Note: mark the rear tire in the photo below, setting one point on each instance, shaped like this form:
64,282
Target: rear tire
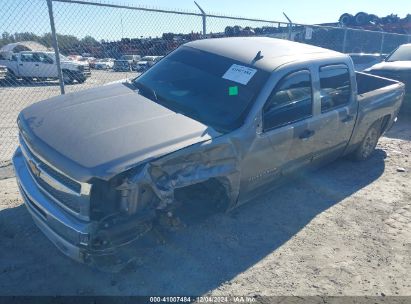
346,19
361,18
368,144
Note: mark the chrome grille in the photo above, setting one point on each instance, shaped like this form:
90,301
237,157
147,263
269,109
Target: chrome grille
68,200
71,195
73,185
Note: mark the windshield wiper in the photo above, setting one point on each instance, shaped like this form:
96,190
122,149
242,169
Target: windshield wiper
144,88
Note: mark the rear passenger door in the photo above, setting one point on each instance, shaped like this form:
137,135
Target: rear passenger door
338,110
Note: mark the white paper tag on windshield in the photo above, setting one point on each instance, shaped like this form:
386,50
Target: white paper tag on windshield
239,73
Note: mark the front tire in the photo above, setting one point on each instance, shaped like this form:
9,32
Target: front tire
11,77
67,77
369,142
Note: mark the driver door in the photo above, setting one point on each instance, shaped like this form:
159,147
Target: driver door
46,66
285,142
28,65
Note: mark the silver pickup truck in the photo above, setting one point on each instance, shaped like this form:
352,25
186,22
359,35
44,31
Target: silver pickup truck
227,118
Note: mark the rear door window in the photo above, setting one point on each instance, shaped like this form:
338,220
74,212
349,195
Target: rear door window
335,87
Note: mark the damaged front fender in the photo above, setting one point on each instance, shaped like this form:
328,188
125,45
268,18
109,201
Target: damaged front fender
199,163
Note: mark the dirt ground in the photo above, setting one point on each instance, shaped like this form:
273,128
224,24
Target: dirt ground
343,230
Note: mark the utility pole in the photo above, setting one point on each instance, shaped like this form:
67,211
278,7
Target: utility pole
290,26
55,45
204,18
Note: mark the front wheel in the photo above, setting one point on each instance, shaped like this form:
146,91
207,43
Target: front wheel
67,77
369,142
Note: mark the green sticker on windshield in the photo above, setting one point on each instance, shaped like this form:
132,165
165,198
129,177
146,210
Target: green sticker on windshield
233,91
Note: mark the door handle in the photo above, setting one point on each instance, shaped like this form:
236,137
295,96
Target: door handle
36,64
306,134
348,118
20,64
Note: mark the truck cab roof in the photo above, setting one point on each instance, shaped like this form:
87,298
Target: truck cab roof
274,52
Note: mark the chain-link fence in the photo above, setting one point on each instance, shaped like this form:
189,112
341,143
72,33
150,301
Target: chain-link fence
100,43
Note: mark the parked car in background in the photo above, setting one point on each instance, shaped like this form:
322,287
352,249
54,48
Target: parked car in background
104,64
92,62
396,66
74,57
121,66
363,61
146,62
132,59
98,169
42,65
3,72
87,59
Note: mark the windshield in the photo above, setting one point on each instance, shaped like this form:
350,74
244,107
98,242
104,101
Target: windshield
62,57
403,53
191,82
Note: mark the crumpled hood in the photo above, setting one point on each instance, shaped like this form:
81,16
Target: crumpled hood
391,66
103,131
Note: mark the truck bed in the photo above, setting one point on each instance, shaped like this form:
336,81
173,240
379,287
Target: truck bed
379,99
367,82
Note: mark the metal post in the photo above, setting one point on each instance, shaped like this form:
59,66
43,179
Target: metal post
204,19
55,45
290,26
382,43
344,41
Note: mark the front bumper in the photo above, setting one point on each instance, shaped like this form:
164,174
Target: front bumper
82,74
3,74
65,231
71,235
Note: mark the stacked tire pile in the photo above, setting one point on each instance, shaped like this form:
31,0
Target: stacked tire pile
390,23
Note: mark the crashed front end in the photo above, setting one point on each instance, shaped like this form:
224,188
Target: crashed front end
98,222
59,205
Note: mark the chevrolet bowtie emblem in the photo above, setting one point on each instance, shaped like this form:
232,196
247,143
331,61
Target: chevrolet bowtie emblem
33,168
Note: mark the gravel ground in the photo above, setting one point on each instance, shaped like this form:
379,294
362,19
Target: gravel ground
15,98
343,230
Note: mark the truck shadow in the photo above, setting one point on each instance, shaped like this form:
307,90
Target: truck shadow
402,128
194,260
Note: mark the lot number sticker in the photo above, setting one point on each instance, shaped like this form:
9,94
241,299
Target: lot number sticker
239,73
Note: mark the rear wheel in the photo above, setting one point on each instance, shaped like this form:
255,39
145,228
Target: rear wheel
346,19
369,142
